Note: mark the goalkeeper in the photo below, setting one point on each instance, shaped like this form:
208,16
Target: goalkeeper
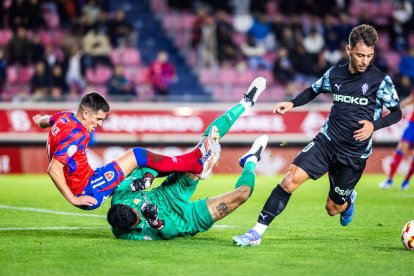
165,212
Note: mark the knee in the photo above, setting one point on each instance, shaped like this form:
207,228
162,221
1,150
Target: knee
331,211
243,193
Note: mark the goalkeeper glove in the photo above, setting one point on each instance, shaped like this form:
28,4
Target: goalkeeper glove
150,213
143,183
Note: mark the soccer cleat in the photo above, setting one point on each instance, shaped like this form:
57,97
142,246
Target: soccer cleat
251,238
347,216
255,89
405,184
210,149
386,184
256,150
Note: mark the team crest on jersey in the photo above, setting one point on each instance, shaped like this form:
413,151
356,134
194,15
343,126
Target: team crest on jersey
365,88
64,120
137,201
109,175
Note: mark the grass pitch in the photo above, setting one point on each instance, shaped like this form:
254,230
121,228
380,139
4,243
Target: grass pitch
41,234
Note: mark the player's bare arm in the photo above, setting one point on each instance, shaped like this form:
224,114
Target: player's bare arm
365,131
407,101
41,120
283,107
55,171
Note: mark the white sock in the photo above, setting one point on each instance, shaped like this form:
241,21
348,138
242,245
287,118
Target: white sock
252,158
260,228
246,105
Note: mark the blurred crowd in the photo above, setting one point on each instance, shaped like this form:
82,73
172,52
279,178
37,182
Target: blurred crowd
47,48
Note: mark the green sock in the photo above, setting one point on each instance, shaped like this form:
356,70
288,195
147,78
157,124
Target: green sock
248,176
226,121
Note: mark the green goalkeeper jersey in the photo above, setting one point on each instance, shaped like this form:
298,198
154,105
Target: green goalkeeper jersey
181,217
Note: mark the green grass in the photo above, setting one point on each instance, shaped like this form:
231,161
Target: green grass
302,240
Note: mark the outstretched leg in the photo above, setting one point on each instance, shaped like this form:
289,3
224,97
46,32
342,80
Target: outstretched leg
222,205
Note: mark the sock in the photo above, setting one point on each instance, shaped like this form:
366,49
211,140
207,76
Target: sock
226,121
274,205
349,201
247,178
411,171
396,159
182,163
245,104
260,228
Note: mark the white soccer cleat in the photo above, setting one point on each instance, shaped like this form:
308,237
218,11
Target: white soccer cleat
210,149
251,238
255,89
257,149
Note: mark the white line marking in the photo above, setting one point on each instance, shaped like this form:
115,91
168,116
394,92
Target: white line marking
52,228
49,211
223,226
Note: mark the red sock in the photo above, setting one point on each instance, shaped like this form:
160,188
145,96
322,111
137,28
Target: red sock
396,159
411,171
182,163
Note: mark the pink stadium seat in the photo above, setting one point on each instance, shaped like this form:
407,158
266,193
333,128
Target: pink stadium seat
115,56
393,59
227,76
130,56
140,76
208,76
25,74
5,36
245,77
12,75
100,75
267,75
52,19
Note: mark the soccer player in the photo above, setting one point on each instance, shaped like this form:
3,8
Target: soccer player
166,211
87,188
405,144
68,165
359,92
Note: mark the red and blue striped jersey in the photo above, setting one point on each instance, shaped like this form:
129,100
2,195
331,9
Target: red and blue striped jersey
67,142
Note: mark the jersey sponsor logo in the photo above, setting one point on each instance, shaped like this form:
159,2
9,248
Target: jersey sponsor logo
137,201
338,86
341,192
349,99
109,175
72,150
365,88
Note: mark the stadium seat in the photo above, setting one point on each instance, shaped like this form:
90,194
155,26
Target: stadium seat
208,76
227,77
130,56
25,74
12,75
5,36
100,75
393,59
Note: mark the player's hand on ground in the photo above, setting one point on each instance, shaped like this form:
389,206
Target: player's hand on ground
84,201
365,131
283,107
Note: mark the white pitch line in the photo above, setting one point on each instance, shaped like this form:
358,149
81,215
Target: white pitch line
49,211
51,228
75,214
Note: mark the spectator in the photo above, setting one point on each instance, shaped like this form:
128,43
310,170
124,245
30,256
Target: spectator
3,70
207,45
40,83
34,15
406,65
344,27
403,86
38,49
74,69
96,47
227,51
18,14
120,31
261,32
313,43
119,87
19,48
161,75
58,86
255,54
284,72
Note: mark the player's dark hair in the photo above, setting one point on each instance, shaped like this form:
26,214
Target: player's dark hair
363,33
121,216
95,102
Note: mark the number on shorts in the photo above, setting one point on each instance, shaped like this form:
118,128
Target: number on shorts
308,146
